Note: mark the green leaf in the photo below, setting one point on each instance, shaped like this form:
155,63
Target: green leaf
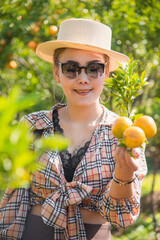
56,142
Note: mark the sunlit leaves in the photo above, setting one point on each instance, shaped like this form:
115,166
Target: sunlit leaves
125,85
17,160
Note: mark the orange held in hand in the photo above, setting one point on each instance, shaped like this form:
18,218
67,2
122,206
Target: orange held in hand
134,137
120,125
147,124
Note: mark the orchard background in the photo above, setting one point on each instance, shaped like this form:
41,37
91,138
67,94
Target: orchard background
135,28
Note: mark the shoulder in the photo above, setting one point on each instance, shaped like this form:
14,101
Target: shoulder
109,117
40,120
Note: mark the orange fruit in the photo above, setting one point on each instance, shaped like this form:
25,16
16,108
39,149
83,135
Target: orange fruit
120,125
32,44
36,28
53,30
148,125
2,42
134,137
13,64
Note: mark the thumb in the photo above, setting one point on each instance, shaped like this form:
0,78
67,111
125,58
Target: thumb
136,152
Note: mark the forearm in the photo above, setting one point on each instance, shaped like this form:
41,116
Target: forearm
122,191
121,203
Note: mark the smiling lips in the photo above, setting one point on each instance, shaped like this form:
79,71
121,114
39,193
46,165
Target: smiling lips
82,90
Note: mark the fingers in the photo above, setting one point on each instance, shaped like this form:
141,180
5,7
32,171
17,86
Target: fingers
132,162
120,155
121,151
136,152
123,157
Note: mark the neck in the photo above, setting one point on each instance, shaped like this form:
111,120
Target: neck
84,114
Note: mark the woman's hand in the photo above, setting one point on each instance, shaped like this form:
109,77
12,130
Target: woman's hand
126,164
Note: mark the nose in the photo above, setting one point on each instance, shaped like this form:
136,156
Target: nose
82,77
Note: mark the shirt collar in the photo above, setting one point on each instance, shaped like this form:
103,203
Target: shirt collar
43,119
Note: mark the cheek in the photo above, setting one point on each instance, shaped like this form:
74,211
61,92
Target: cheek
66,85
100,83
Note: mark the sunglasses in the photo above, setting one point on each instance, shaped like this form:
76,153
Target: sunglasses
71,70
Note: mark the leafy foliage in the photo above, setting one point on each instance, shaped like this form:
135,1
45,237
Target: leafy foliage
16,158
125,86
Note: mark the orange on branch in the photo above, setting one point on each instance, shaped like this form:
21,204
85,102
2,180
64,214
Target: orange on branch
120,125
32,44
53,30
2,42
13,64
148,125
36,29
134,137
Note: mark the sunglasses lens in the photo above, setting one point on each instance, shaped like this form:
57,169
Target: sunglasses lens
70,70
94,70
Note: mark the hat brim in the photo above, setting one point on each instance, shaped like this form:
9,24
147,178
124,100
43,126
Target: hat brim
46,52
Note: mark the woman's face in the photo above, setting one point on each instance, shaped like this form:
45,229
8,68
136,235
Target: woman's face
82,89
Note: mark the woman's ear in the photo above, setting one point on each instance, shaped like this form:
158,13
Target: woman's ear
56,73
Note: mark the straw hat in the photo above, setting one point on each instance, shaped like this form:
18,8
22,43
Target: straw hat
82,34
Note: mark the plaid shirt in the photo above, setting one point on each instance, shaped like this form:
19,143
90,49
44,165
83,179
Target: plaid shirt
61,200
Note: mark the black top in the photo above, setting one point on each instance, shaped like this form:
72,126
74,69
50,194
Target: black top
69,162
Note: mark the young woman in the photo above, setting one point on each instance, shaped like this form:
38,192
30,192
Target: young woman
93,183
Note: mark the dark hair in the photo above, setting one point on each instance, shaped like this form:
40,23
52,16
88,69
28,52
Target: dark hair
107,60
57,53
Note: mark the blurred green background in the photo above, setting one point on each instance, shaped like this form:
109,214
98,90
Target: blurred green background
135,32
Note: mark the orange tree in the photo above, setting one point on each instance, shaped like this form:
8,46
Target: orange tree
24,24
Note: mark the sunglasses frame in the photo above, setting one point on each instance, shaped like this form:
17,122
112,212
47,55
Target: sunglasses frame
80,68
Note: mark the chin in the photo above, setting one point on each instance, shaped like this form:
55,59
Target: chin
85,103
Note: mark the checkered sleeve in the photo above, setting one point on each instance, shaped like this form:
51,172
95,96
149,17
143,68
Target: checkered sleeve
14,207
124,212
